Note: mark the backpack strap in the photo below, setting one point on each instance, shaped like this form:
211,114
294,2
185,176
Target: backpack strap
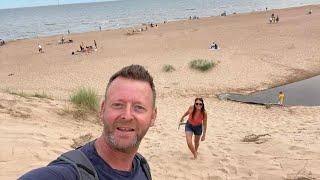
81,163
145,166
85,169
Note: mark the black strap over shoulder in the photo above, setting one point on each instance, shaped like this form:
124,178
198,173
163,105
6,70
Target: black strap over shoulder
145,166
81,163
86,170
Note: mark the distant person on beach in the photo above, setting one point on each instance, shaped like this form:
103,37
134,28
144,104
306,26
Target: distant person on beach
196,125
62,40
40,49
310,11
95,44
273,17
81,48
214,45
127,113
277,19
68,31
281,98
2,42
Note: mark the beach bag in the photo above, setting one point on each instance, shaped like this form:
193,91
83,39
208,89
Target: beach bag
86,170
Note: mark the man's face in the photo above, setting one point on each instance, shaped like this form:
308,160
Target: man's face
127,113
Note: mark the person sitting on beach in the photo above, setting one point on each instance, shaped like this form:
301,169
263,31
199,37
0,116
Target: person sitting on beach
127,113
196,124
81,48
2,42
62,40
270,20
40,49
273,18
214,45
277,19
281,98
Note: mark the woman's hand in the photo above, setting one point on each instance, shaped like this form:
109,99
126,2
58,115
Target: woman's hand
203,137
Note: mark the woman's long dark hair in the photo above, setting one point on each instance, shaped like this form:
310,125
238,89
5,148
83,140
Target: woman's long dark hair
194,106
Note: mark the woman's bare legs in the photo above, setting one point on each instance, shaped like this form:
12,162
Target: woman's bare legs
196,142
190,145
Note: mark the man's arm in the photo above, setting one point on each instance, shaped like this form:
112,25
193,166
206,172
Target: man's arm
61,171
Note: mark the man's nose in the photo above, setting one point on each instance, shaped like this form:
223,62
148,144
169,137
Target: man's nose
127,113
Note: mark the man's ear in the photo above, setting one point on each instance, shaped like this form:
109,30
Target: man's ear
102,109
154,116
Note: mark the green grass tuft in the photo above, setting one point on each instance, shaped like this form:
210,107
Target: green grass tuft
168,68
41,95
202,64
86,98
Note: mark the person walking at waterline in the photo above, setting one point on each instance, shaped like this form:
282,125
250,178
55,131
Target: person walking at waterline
281,98
196,124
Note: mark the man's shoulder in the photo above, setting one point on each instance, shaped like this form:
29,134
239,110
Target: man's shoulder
56,171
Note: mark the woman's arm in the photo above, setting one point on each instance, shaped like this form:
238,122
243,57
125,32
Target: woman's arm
186,113
204,126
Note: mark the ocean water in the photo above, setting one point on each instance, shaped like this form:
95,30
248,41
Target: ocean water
21,23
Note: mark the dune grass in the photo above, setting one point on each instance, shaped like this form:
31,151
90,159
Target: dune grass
41,95
86,98
168,68
26,95
202,64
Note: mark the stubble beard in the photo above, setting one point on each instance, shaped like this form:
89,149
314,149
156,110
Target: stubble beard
116,145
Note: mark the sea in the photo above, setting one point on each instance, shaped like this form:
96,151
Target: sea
33,22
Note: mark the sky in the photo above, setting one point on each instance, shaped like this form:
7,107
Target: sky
7,4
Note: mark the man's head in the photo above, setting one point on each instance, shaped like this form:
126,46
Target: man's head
129,108
135,72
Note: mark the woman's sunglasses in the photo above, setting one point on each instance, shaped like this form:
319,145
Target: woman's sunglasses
198,104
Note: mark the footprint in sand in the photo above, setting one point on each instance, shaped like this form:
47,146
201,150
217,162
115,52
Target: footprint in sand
295,148
232,169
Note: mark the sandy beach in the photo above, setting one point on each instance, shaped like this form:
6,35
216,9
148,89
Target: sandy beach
253,55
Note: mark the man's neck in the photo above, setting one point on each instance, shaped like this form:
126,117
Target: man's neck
116,159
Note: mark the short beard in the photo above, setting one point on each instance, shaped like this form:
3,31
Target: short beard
111,141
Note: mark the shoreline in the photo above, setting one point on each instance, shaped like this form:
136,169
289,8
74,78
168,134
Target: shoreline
188,28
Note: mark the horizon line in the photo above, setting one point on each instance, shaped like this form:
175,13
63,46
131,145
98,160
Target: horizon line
58,4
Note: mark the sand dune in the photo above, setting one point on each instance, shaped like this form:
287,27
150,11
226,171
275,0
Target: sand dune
253,55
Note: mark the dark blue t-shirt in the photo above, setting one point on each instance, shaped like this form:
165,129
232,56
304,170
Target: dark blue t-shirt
65,171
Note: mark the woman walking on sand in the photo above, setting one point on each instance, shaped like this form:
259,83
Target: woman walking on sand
197,122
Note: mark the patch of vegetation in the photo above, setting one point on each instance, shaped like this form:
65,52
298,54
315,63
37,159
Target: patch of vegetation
168,68
86,98
41,95
21,94
26,95
81,140
201,64
255,138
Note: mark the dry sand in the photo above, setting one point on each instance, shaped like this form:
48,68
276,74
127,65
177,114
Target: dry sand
254,55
